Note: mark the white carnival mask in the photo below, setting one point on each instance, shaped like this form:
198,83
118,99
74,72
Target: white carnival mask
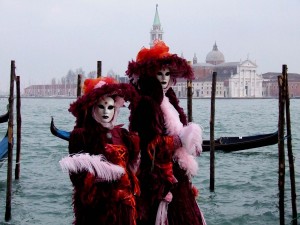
104,110
164,77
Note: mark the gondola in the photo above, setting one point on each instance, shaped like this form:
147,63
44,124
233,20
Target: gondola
225,144
3,148
4,142
231,144
4,117
65,135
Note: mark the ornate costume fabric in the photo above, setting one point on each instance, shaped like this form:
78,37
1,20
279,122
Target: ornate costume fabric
158,114
162,173
103,158
100,202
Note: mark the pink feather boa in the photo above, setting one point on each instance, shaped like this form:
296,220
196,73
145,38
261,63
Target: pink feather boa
190,136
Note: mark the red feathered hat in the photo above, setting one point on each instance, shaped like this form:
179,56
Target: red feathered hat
101,87
150,61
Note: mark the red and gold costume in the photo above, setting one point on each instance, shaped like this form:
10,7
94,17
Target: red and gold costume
106,197
168,143
101,202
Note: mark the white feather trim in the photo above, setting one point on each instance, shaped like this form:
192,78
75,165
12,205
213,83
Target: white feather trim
171,116
95,164
186,161
162,214
100,84
191,138
162,211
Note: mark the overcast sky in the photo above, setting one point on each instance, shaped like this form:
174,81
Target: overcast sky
48,38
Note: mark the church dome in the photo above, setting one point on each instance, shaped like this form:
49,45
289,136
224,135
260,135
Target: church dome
215,56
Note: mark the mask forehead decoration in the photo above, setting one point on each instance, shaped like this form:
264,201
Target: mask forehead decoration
103,95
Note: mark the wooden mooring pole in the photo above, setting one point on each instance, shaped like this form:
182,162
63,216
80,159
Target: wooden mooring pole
10,143
189,93
99,68
212,133
189,100
79,85
281,156
19,122
289,146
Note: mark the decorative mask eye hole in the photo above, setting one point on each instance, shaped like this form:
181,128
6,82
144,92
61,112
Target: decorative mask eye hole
110,107
101,106
167,74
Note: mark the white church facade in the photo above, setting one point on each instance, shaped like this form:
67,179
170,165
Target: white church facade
246,83
234,79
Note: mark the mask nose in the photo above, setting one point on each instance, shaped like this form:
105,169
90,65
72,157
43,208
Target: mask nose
105,111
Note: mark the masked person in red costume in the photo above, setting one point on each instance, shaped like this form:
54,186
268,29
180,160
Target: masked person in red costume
103,156
168,143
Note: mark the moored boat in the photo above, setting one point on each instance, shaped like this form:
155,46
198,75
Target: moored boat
226,144
231,144
4,117
3,148
4,142
65,135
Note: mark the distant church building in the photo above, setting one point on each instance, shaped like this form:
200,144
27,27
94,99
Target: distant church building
246,82
214,57
239,79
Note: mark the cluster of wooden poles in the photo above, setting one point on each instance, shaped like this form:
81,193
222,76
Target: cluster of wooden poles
13,79
284,104
284,108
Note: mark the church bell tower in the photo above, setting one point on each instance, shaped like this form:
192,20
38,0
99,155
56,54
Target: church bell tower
156,32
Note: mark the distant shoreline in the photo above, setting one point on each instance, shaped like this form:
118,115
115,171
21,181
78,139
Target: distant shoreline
73,97
45,97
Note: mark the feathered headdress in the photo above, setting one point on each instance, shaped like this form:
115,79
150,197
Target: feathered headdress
150,61
94,89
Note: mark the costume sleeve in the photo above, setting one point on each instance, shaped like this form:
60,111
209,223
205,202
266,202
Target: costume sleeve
76,142
84,182
76,145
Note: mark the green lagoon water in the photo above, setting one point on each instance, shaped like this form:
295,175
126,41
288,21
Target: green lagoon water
246,185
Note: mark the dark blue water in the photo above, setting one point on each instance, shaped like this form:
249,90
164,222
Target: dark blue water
246,184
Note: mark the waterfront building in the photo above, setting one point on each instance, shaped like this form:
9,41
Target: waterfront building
270,84
200,88
59,90
246,82
234,79
51,90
